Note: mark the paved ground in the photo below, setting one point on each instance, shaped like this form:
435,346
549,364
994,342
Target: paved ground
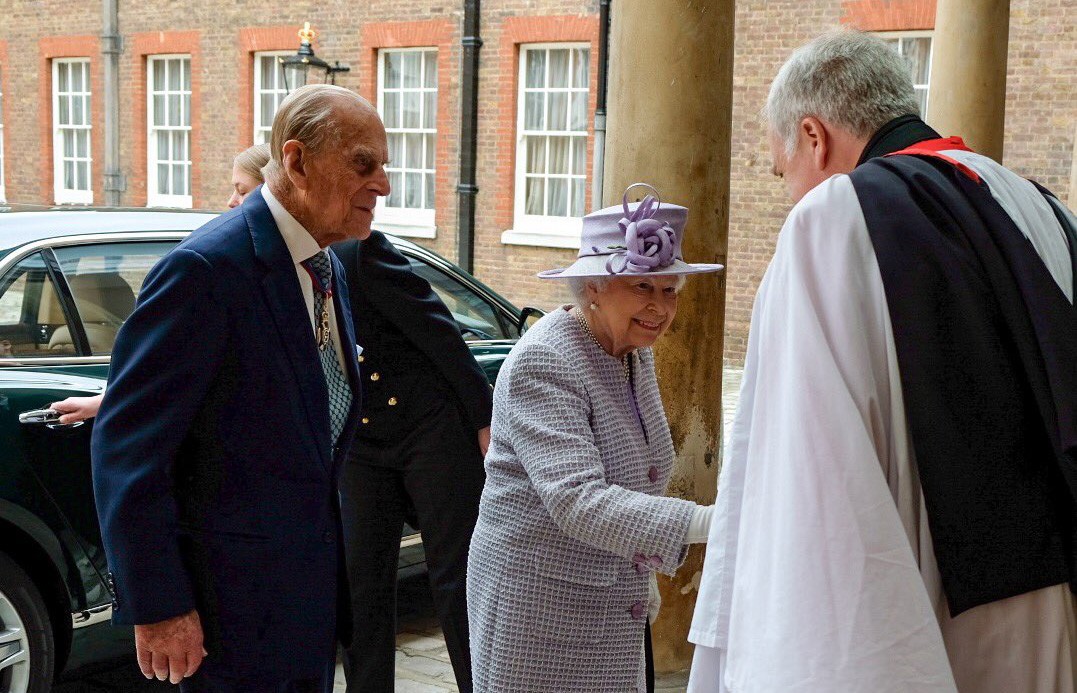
422,662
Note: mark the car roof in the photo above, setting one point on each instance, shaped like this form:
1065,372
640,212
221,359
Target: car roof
20,227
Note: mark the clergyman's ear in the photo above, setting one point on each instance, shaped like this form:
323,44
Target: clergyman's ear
817,140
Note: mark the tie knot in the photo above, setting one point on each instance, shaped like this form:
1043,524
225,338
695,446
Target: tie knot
321,267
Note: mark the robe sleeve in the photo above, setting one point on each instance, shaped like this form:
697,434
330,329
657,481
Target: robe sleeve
810,583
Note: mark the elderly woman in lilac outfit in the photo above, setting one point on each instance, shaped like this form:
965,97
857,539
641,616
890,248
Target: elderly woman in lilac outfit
573,522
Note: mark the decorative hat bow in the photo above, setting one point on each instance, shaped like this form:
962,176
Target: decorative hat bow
650,243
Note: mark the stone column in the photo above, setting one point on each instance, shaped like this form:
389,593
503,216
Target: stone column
968,72
670,103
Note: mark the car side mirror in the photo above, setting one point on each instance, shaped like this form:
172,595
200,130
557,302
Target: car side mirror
528,317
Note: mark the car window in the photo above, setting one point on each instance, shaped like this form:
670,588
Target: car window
32,322
105,280
474,314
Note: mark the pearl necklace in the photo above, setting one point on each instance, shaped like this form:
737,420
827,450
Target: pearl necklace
625,363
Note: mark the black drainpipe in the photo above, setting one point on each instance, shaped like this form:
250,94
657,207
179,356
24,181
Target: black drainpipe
599,162
467,189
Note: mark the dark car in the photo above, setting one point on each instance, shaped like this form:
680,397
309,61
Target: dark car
68,280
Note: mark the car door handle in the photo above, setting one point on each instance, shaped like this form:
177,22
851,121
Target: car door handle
49,417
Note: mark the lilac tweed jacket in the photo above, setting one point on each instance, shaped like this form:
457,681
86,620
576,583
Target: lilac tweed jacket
572,519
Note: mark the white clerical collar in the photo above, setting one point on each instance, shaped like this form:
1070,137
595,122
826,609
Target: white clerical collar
301,245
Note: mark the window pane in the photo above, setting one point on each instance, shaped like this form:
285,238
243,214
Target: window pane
430,73
82,144
179,179
158,75
164,149
159,111
69,175
414,150
61,77
174,115
83,169
557,111
179,146
411,109
75,80
69,143
921,98
579,156
63,107
429,190
413,190
174,76
392,69
917,53
411,65
430,152
396,149
533,107
558,68
78,108
536,154
391,109
266,103
186,120
559,147
396,182
31,314
579,111
558,197
536,68
186,65
162,178
578,197
430,109
535,191
581,61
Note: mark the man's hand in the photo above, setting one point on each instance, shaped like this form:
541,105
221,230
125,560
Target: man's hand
172,649
75,409
484,440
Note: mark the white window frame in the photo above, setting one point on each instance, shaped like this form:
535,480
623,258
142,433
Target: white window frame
926,33
61,194
258,129
3,190
417,223
532,229
153,197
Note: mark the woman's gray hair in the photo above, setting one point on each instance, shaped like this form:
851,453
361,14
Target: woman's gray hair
578,286
846,77
252,160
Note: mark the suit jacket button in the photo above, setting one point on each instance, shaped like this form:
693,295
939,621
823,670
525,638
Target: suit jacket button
365,420
392,401
652,474
375,377
361,358
639,610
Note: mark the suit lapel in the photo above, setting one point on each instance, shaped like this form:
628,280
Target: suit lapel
282,294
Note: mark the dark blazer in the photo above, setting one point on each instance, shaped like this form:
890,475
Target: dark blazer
380,278
215,478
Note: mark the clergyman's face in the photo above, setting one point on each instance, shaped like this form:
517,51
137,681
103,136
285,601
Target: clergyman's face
798,171
346,180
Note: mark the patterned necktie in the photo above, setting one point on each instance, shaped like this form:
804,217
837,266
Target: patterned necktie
340,392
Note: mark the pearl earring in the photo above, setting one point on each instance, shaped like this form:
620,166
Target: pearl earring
594,306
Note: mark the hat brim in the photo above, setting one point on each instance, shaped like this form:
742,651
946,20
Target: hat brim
595,266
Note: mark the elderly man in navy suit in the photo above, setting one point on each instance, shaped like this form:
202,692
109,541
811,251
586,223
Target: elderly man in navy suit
233,393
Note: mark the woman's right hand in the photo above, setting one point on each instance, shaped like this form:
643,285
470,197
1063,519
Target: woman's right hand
75,409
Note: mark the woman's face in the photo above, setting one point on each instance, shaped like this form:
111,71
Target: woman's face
633,312
242,184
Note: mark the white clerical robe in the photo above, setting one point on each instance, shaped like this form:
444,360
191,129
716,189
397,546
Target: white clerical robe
820,574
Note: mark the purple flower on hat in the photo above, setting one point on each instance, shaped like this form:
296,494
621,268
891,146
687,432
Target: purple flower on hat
650,244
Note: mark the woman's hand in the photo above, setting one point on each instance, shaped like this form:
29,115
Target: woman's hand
75,409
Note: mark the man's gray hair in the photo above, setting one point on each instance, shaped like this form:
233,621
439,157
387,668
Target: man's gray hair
307,115
846,78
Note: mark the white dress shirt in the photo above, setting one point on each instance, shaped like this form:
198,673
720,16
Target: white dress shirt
302,246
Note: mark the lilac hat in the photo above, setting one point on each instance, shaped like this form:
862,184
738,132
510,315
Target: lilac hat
630,239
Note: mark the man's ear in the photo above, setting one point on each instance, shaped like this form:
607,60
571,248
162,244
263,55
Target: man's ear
294,160
817,139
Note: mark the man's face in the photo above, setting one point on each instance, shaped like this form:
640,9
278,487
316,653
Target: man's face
799,170
346,180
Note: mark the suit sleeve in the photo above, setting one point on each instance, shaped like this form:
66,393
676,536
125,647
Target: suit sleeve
383,269
164,359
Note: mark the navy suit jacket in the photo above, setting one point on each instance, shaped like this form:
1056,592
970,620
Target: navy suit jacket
214,473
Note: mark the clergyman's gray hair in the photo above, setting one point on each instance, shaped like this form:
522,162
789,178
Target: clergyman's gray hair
847,78
578,286
307,115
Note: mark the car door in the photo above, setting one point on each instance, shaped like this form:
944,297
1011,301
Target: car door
99,283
